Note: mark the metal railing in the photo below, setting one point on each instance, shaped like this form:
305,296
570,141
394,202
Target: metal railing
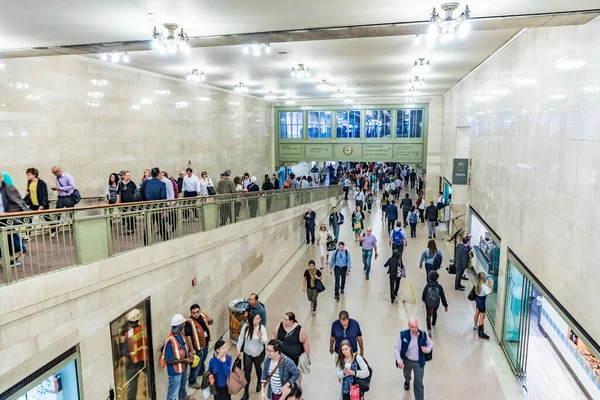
38,242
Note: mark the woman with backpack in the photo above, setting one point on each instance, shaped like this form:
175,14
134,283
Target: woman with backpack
396,271
412,219
432,293
481,289
432,257
349,367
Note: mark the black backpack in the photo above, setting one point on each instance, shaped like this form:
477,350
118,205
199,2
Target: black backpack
437,262
432,297
364,384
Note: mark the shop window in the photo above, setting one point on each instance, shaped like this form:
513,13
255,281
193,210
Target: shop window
409,123
377,123
348,124
132,354
290,125
319,124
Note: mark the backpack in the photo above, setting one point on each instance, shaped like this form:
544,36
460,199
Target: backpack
335,255
397,236
364,383
437,262
413,218
432,297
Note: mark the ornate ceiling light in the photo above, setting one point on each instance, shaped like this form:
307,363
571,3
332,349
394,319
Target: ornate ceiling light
257,48
196,75
448,25
348,100
416,82
270,96
240,88
172,42
300,71
421,66
411,99
324,85
290,101
338,94
115,57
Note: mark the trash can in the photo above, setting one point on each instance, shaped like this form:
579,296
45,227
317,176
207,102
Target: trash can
237,309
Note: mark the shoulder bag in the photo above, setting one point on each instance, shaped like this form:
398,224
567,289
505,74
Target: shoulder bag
236,380
426,356
75,196
319,285
281,359
472,295
364,383
304,364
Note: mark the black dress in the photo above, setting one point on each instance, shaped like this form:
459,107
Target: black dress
292,347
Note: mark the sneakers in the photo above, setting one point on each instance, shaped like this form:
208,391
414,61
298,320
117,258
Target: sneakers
406,385
195,385
429,332
482,334
337,297
342,291
367,277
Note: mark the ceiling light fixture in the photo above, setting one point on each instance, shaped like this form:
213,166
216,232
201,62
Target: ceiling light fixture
421,66
146,102
324,85
338,94
301,71
20,85
31,96
115,57
416,82
181,104
201,98
99,82
270,96
240,88
411,99
162,92
348,100
448,25
172,42
136,106
257,48
96,95
196,75
290,101
92,103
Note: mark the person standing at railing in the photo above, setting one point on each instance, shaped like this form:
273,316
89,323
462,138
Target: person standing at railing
65,186
36,196
225,186
172,193
190,188
276,184
155,189
253,201
128,189
112,194
10,201
309,224
205,184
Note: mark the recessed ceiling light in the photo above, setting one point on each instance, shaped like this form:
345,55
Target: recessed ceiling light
282,53
150,13
10,134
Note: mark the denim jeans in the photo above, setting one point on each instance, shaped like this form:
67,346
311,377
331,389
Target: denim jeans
366,258
177,385
194,372
428,269
336,232
203,357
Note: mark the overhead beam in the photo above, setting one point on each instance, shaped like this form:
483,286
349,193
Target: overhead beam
331,33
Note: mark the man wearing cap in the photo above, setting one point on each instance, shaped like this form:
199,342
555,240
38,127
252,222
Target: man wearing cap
176,358
197,337
225,186
134,351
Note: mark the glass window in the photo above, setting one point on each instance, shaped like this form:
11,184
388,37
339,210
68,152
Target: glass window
290,125
348,124
377,123
319,124
409,123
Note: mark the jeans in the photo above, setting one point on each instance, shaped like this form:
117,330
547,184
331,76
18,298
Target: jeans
431,227
399,247
63,202
336,232
340,275
367,255
428,269
310,234
312,295
203,357
394,286
369,206
413,230
431,317
158,219
391,225
404,216
177,385
225,213
199,369
250,361
359,203
421,216
346,190
409,367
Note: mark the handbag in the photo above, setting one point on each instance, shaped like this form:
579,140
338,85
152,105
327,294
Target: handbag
330,245
319,286
211,190
356,225
354,392
364,384
75,196
472,295
304,364
236,379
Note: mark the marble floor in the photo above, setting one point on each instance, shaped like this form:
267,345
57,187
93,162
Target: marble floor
463,367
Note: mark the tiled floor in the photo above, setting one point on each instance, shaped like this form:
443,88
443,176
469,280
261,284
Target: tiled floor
463,367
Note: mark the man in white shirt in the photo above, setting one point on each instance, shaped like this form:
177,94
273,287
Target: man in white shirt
191,184
359,197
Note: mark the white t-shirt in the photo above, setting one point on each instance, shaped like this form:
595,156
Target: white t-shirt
484,290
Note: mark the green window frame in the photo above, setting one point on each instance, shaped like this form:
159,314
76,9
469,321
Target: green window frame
348,124
319,124
378,124
409,123
291,124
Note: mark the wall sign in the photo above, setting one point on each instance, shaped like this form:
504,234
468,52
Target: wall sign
408,152
292,152
316,152
460,171
377,152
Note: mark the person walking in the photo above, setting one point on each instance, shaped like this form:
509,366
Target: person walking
432,294
257,307
253,200
410,350
406,205
154,189
205,185
350,366
68,196
309,285
112,194
346,328
385,201
413,179
309,225
322,238
421,208
396,271
336,219
432,257
252,342
347,183
368,242
482,287
36,196
279,375
128,195
359,197
190,185
398,238
392,215
341,264
176,358
276,184
431,215
461,260
370,200
220,369
413,218
357,222
197,338
293,337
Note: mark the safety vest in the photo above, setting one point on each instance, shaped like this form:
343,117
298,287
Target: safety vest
137,344
198,338
178,354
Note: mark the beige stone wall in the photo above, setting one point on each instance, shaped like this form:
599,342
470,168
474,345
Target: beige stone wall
221,130
42,317
434,148
534,143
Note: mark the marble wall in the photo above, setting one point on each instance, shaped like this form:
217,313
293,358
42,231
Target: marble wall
534,117
51,112
41,318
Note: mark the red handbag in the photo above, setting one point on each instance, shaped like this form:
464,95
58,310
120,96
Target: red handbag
354,392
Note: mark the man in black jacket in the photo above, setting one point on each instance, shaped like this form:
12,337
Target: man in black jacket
406,205
431,214
461,260
10,201
309,225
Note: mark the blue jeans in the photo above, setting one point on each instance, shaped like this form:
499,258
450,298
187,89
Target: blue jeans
366,258
199,369
336,232
177,385
428,269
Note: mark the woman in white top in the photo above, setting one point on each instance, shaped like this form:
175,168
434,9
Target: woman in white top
253,339
350,365
205,182
323,237
481,289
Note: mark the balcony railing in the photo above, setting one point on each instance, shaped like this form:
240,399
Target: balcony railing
38,242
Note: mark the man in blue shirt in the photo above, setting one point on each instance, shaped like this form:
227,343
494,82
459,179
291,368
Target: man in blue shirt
346,328
155,189
340,263
392,215
347,184
176,358
257,307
